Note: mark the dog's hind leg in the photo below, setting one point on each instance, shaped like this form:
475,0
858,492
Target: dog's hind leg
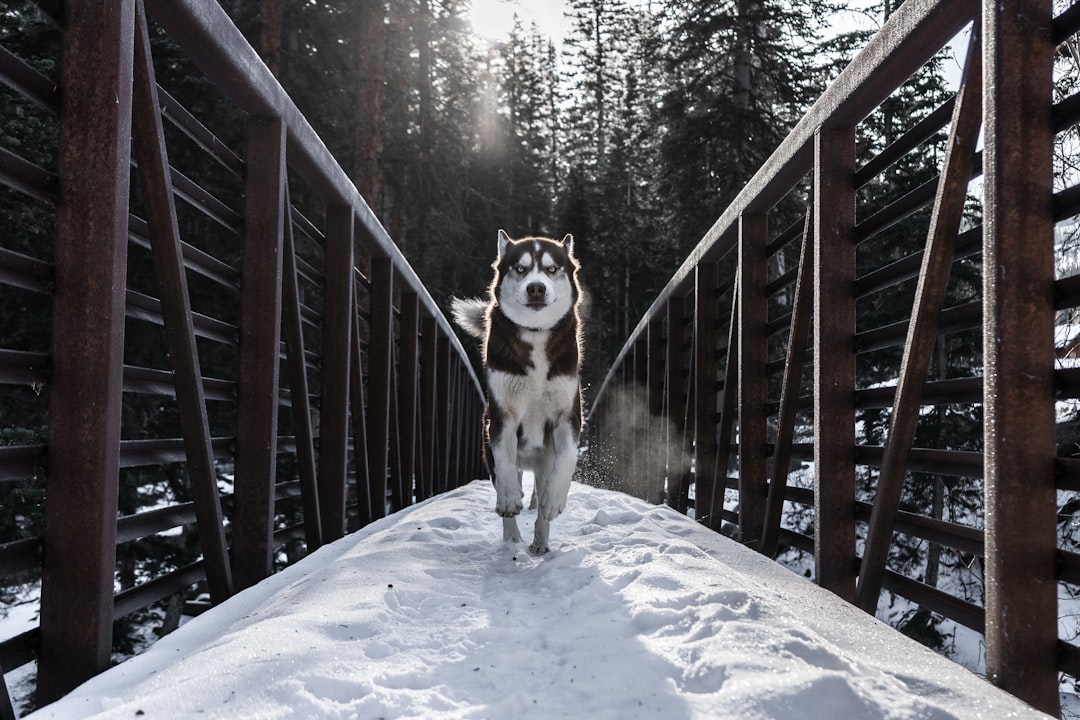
554,492
540,538
511,533
540,491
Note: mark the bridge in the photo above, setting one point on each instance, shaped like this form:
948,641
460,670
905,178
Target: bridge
352,398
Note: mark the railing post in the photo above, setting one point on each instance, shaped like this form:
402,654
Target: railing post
705,470
444,397
458,421
338,309
675,391
87,346
260,343
655,409
380,367
752,356
1018,347
834,361
427,436
407,392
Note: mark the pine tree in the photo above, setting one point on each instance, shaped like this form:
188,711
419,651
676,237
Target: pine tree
737,82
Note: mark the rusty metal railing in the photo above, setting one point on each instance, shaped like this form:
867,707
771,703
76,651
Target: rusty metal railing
747,365
342,392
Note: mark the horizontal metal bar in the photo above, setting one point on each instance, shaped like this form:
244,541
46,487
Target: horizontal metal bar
897,211
23,271
1067,383
134,527
151,381
179,117
194,259
28,82
24,368
1069,567
139,453
1067,292
967,614
1067,473
920,133
792,233
28,178
947,534
144,307
957,537
1068,655
1066,203
968,244
19,650
19,556
1065,25
20,462
967,390
1066,112
959,463
951,320
202,200
159,588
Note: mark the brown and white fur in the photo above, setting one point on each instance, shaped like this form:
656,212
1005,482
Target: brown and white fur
531,333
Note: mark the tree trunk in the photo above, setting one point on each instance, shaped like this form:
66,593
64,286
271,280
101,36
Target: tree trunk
371,74
270,34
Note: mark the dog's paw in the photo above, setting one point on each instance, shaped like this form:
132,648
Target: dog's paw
538,547
508,507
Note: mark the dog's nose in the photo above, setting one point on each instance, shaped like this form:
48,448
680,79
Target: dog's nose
536,292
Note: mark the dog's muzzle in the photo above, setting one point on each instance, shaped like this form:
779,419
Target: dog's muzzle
536,294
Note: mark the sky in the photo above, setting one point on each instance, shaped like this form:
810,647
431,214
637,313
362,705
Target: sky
493,19
638,612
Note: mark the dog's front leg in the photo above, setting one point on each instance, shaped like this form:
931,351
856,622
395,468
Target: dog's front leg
555,491
508,493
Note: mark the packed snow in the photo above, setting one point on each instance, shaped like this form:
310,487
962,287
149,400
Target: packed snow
637,612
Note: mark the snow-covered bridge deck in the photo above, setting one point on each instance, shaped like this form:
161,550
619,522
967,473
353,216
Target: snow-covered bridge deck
637,612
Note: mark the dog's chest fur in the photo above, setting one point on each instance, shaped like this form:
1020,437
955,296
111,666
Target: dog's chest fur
532,377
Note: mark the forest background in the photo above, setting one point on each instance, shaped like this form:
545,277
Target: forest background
633,131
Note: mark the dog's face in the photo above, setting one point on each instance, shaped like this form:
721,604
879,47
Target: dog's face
536,285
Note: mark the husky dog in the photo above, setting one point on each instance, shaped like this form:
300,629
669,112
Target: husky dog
531,333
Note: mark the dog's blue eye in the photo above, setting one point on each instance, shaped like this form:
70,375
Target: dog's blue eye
519,269
553,269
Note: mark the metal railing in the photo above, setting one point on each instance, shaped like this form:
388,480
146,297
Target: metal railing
753,360
343,392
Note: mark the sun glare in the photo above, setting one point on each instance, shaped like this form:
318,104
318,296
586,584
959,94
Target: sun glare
494,19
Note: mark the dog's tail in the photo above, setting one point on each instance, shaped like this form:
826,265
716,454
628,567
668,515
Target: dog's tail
470,315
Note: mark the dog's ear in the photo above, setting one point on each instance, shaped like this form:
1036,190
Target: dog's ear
504,240
568,243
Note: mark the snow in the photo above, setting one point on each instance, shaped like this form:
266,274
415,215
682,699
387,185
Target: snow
637,612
